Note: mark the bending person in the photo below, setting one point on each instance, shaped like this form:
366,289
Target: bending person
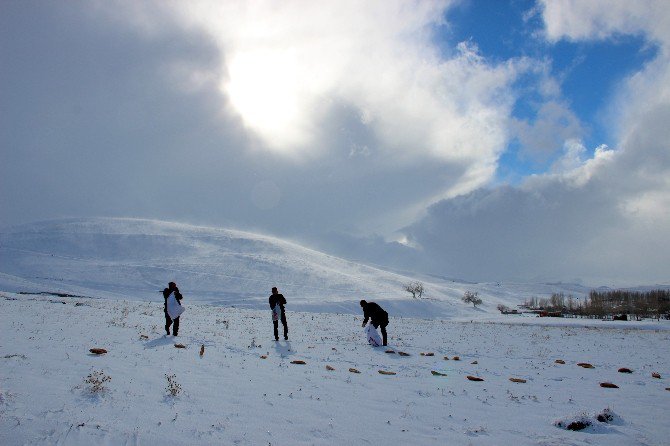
378,317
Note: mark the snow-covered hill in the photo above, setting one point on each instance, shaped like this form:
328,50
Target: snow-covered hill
134,259
245,389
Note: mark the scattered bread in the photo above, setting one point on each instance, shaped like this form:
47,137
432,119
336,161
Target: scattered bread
98,351
385,372
517,380
298,361
609,385
474,378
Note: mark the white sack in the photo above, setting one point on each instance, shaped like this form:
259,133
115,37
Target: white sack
174,308
276,313
373,336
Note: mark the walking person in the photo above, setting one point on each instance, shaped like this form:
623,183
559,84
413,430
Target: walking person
173,308
277,302
377,316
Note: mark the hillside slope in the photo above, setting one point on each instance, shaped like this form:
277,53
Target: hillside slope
134,259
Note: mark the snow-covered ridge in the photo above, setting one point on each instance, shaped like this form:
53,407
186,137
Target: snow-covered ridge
134,259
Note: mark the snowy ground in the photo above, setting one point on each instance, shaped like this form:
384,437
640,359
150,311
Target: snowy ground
231,395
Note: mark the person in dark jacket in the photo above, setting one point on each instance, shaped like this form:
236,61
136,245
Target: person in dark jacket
378,317
275,300
172,288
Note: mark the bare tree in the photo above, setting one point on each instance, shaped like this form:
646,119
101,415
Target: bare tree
557,301
414,288
470,297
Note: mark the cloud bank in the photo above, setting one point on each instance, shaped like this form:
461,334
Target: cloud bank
346,114
604,219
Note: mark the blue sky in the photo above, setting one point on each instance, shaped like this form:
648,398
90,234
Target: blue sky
485,140
589,72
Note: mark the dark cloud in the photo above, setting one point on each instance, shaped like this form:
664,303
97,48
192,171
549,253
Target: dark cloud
605,222
106,119
96,121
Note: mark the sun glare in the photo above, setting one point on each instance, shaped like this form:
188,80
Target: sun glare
263,89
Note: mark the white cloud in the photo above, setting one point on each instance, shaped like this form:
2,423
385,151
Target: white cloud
287,62
600,19
290,70
605,219
553,125
349,107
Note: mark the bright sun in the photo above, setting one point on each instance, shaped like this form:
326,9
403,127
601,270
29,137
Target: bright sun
263,88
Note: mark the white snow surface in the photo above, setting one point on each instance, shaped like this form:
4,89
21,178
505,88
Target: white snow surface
245,390
232,395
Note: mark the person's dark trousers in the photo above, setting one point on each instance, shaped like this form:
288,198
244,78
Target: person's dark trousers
383,330
174,323
276,326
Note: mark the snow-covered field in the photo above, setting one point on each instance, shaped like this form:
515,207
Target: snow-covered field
245,389
233,395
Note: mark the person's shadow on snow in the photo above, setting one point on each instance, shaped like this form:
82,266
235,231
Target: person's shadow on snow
163,340
284,349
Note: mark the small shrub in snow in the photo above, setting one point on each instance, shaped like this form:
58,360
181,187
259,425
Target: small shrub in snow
415,289
224,322
584,420
96,381
173,388
606,416
578,423
471,298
